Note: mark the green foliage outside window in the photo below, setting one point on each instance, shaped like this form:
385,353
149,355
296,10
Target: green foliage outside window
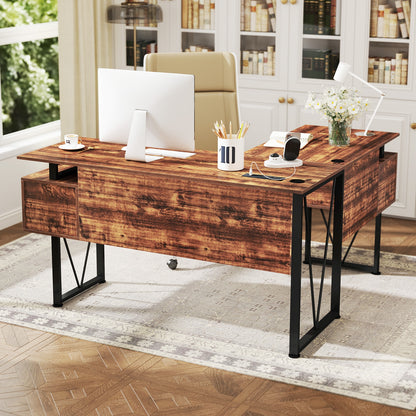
29,71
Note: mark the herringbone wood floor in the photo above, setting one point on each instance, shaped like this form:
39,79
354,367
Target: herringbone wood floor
47,374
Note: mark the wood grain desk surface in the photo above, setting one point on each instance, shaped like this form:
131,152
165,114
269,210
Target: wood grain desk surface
201,167
318,152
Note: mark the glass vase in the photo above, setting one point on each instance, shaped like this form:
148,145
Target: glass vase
339,133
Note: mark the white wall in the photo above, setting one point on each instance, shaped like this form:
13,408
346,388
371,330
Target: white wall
11,170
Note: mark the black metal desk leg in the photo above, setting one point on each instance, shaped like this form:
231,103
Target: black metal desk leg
296,276
337,246
377,238
100,262
56,271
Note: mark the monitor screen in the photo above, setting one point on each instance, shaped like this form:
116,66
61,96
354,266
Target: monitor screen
166,98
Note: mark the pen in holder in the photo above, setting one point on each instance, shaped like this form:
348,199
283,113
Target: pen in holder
230,147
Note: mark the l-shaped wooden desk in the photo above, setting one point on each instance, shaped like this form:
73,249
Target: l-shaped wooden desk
190,208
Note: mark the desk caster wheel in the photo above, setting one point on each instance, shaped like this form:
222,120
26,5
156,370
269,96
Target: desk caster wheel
173,264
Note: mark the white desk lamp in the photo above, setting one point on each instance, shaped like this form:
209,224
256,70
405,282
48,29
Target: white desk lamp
341,74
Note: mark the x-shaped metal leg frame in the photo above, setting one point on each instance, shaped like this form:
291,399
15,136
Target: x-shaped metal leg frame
81,285
297,342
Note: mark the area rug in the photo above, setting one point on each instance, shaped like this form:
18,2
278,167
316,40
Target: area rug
228,317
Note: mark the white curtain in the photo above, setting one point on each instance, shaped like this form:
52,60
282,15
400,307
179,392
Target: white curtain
85,44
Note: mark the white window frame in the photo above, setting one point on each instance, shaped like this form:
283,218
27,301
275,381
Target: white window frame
32,138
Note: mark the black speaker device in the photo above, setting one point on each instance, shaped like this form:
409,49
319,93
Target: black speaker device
292,148
290,154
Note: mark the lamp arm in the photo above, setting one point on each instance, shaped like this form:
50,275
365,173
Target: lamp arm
374,114
368,84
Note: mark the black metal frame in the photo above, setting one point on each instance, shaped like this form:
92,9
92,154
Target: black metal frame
55,174
296,341
58,297
374,268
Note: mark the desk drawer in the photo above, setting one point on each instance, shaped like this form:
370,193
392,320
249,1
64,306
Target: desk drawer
50,206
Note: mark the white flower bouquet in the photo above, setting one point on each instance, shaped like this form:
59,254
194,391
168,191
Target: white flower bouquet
339,107
343,104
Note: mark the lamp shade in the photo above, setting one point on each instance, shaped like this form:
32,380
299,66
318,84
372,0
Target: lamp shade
128,13
342,71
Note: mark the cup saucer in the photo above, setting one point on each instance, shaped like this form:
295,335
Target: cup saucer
65,146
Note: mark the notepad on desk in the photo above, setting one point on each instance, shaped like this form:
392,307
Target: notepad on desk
277,139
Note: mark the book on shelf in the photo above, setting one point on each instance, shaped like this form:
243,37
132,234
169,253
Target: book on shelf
373,18
321,17
258,62
272,14
406,11
380,21
201,14
387,70
319,63
398,74
404,30
198,14
257,15
390,19
142,48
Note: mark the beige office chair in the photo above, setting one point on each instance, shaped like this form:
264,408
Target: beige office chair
215,88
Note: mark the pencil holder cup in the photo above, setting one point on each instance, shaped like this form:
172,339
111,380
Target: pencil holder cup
231,153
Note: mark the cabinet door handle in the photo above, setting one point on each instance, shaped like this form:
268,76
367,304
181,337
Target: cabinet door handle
292,1
281,100
413,126
283,1
290,100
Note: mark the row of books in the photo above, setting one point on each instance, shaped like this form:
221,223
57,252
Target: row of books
258,15
198,48
142,48
198,14
319,63
258,62
322,17
390,21
388,70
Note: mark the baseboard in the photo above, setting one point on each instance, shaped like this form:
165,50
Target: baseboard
10,218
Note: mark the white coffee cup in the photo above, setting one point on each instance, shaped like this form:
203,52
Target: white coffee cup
71,140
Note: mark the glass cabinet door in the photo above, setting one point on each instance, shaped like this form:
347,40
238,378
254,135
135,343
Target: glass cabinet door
321,38
291,43
257,37
390,28
198,25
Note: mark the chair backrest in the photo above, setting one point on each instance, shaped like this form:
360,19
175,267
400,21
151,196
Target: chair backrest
215,88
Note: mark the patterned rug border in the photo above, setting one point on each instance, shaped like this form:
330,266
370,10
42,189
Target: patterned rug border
41,318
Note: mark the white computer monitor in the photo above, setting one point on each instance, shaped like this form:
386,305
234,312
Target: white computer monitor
146,109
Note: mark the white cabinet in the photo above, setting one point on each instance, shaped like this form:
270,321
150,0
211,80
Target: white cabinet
280,63
390,119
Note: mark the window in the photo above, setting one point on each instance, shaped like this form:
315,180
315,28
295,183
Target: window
29,82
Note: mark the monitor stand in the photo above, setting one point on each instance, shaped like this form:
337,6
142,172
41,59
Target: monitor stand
136,144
